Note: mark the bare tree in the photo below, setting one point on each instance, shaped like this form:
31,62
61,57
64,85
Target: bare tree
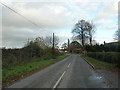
83,31
117,35
64,46
79,31
40,42
49,41
91,30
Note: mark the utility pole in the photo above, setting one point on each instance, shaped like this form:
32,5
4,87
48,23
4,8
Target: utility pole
68,45
53,47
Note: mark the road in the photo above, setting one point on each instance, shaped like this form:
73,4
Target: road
72,72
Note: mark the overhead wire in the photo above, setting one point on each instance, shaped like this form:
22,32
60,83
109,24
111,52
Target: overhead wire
24,17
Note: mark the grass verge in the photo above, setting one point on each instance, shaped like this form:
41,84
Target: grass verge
101,64
12,74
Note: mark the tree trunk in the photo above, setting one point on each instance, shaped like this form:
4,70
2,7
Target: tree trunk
91,40
82,36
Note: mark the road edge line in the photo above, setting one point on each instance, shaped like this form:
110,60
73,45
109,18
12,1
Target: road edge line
89,63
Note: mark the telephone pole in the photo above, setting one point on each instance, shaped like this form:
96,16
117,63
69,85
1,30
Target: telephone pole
53,47
68,45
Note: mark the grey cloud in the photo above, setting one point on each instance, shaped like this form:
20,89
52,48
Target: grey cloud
12,36
49,16
46,16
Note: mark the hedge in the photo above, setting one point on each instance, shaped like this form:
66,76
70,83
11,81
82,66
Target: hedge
110,57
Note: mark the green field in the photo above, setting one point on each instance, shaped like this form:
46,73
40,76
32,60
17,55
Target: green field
14,73
100,64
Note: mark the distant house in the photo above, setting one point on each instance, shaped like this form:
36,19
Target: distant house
75,47
78,50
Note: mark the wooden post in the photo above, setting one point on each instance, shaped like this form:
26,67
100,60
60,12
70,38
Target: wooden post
68,45
53,47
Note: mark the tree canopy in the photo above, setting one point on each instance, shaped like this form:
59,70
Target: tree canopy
84,30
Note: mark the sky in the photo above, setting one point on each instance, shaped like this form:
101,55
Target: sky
55,16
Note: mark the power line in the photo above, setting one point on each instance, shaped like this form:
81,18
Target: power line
20,15
23,17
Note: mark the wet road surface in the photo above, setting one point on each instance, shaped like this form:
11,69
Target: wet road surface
72,72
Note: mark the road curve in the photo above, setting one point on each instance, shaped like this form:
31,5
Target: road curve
72,72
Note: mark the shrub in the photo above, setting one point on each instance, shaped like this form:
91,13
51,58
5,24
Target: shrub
111,57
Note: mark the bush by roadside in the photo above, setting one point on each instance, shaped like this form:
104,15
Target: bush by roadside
110,57
11,74
101,64
33,49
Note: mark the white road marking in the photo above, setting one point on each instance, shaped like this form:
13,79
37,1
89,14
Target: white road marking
56,84
58,80
69,65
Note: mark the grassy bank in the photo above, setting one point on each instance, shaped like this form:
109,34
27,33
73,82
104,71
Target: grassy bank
101,64
14,73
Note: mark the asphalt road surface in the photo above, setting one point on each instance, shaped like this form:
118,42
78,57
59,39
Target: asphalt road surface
72,72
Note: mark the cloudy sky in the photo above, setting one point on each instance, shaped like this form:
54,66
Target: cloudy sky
58,16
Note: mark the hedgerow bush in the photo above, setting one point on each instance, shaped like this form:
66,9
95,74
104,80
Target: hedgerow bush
110,57
32,51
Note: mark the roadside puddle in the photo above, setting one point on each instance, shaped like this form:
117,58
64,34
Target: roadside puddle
96,81
94,77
